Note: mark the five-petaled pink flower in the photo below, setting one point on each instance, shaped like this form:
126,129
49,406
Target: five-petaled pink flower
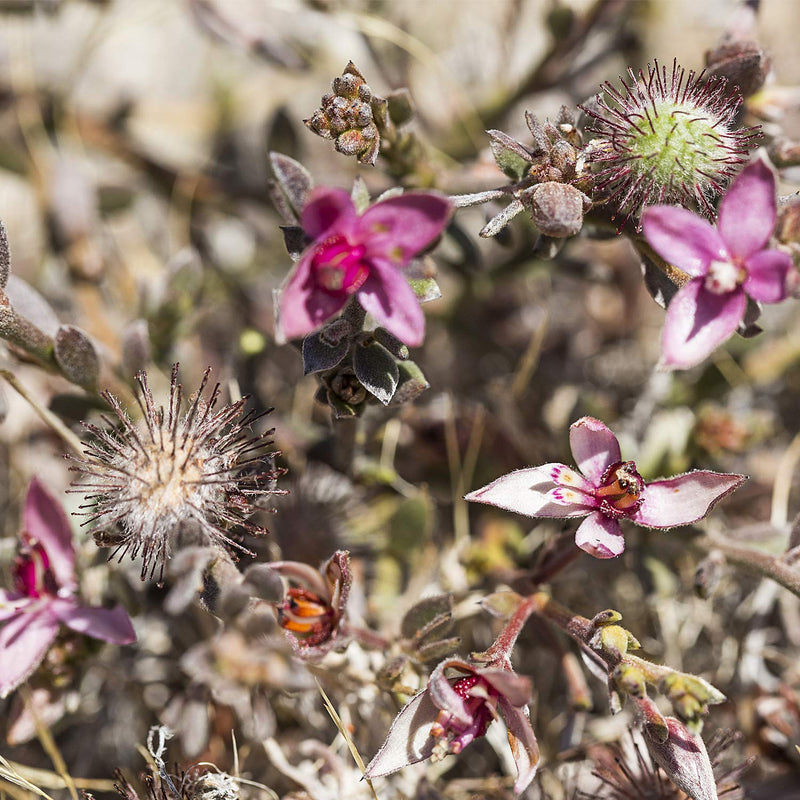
453,711
46,594
362,256
609,489
726,265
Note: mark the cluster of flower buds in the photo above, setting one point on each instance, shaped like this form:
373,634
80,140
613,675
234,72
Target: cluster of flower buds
347,115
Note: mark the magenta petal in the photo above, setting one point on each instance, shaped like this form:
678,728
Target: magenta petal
524,747
600,536
109,624
400,227
594,447
409,739
45,521
303,305
327,209
697,322
387,295
685,498
527,491
683,239
747,211
767,276
24,641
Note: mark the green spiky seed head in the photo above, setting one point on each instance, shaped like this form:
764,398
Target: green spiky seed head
666,139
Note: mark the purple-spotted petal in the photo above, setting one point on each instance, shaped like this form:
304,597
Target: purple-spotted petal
528,491
747,211
46,522
685,498
409,739
24,641
522,739
400,227
594,447
683,239
567,478
328,211
109,624
600,536
304,306
697,322
444,695
767,276
387,295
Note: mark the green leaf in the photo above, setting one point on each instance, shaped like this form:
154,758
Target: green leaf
401,107
376,370
423,613
411,383
319,355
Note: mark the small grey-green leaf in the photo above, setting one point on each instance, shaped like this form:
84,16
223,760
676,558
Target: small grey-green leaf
499,221
401,107
513,158
424,612
319,355
295,240
412,382
438,649
377,371
77,357
293,178
360,195
426,289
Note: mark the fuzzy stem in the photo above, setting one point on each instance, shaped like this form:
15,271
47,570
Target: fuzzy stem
755,561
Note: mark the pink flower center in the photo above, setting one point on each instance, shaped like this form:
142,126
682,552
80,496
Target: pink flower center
453,736
620,490
32,574
723,277
338,266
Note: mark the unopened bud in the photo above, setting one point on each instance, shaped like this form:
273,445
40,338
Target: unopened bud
77,357
558,208
743,64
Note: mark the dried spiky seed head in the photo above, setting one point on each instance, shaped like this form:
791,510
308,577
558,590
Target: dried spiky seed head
146,483
666,138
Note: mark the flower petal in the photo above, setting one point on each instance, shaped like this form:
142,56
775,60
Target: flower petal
522,739
515,689
443,694
24,641
747,212
387,295
109,624
685,498
697,322
409,739
303,306
527,491
767,276
683,239
684,758
328,210
600,536
400,227
45,521
594,447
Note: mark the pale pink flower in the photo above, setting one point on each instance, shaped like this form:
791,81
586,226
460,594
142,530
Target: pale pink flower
46,594
361,255
605,490
726,264
454,711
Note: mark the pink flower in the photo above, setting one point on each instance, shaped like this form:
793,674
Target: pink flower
313,612
608,490
726,265
452,712
361,256
46,594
